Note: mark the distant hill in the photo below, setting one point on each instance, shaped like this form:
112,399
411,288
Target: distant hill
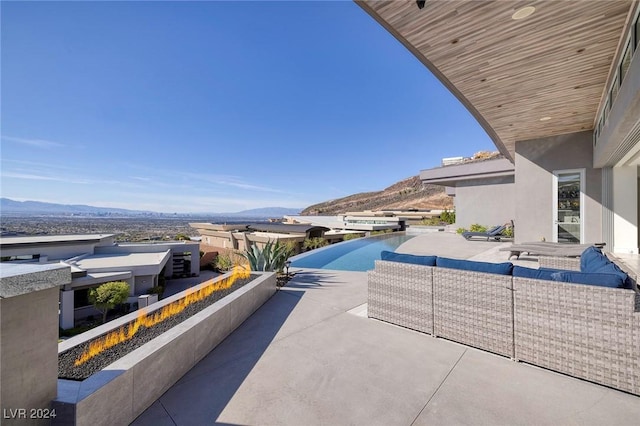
37,207
8,206
409,193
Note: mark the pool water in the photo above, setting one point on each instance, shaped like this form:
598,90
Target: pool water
353,255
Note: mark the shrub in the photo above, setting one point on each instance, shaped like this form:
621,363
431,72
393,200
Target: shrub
291,247
508,232
158,289
430,221
448,216
282,252
223,262
271,257
348,237
461,230
314,243
108,295
482,155
380,232
477,228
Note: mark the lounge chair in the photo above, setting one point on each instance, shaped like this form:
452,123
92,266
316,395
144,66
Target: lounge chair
539,248
493,233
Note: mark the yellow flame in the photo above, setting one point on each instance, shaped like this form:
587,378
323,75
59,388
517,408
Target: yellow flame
126,332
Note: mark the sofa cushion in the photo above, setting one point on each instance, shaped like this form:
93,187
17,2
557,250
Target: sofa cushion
408,258
591,278
470,265
537,274
594,261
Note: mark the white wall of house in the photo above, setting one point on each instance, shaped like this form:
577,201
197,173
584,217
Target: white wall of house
536,160
625,209
143,283
486,202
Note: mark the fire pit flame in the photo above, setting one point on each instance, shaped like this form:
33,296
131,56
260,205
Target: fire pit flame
126,332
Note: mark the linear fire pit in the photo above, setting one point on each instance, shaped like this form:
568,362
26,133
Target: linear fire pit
119,392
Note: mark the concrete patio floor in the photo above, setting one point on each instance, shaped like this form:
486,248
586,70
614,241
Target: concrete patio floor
308,357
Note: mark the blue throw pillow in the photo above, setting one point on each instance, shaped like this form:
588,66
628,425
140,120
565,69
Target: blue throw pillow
591,278
592,259
468,265
612,268
536,274
408,258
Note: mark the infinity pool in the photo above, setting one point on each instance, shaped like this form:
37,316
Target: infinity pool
354,255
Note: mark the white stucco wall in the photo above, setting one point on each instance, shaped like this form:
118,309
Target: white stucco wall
536,160
625,209
487,202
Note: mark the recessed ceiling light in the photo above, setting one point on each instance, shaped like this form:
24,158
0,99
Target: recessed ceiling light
545,119
523,13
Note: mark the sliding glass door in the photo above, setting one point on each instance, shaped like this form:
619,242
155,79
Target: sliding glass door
568,206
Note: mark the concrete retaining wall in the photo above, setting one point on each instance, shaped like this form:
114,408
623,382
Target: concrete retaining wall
123,390
28,340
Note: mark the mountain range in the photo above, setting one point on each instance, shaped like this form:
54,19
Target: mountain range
408,193
8,206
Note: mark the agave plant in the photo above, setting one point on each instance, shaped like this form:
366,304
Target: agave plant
271,257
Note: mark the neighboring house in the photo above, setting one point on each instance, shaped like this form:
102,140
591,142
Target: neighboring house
354,222
95,259
484,191
556,85
241,236
296,230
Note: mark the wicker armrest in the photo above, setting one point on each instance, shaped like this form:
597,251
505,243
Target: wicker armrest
573,264
568,263
585,331
632,275
401,294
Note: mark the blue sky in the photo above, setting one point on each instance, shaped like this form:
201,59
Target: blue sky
215,106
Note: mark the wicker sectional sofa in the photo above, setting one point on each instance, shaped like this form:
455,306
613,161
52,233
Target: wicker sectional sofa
585,331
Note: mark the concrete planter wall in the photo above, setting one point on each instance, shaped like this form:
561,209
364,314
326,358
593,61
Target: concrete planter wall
123,390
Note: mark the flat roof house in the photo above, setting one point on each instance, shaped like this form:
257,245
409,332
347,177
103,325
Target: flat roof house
95,259
241,236
556,85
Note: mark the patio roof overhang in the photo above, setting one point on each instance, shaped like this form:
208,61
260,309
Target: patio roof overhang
455,174
522,79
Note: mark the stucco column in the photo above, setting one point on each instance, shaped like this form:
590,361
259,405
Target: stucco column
66,309
132,285
29,298
625,210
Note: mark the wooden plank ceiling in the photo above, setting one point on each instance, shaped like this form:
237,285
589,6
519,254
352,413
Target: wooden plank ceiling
510,74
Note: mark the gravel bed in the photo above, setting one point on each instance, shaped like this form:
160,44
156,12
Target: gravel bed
67,370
